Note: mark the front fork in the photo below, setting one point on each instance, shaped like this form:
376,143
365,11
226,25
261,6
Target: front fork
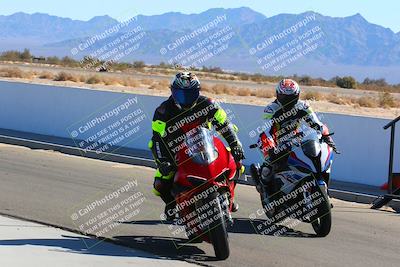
255,172
224,199
307,194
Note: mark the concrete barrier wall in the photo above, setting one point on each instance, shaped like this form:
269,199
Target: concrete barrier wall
83,114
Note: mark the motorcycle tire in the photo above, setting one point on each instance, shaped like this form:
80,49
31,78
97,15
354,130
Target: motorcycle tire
323,223
218,231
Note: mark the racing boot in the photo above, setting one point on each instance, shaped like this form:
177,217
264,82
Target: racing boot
267,187
169,210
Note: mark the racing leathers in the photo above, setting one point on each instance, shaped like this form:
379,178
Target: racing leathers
281,128
171,123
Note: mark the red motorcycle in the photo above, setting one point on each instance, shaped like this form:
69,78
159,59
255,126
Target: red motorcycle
204,189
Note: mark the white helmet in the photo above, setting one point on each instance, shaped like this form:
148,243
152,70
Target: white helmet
287,92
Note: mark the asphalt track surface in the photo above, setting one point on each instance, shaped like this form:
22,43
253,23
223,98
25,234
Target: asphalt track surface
49,187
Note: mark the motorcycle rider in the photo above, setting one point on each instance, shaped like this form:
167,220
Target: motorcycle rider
183,111
284,117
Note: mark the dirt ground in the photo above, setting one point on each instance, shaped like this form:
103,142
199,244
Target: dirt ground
319,106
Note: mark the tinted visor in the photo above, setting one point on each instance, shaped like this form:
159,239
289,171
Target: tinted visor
287,100
185,97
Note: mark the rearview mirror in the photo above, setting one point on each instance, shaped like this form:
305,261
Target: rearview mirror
253,146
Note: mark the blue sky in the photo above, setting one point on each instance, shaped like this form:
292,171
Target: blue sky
382,12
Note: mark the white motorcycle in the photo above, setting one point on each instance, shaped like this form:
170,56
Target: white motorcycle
302,192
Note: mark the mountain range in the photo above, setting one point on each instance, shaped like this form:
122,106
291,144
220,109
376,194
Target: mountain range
331,45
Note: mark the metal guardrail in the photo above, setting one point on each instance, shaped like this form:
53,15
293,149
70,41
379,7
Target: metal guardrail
392,123
392,193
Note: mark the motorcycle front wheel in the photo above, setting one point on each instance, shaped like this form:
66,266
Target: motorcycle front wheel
218,230
323,222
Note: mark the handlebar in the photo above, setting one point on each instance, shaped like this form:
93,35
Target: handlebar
253,146
329,134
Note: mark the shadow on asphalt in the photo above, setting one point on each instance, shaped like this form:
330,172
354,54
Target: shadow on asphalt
79,245
179,248
174,248
244,226
261,227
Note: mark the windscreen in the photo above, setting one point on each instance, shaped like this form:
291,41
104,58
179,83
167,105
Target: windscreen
200,146
310,144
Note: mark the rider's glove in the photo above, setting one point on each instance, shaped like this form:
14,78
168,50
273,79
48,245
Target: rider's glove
237,152
165,168
327,139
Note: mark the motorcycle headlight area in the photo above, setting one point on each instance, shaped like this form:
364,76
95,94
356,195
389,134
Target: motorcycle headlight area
311,148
